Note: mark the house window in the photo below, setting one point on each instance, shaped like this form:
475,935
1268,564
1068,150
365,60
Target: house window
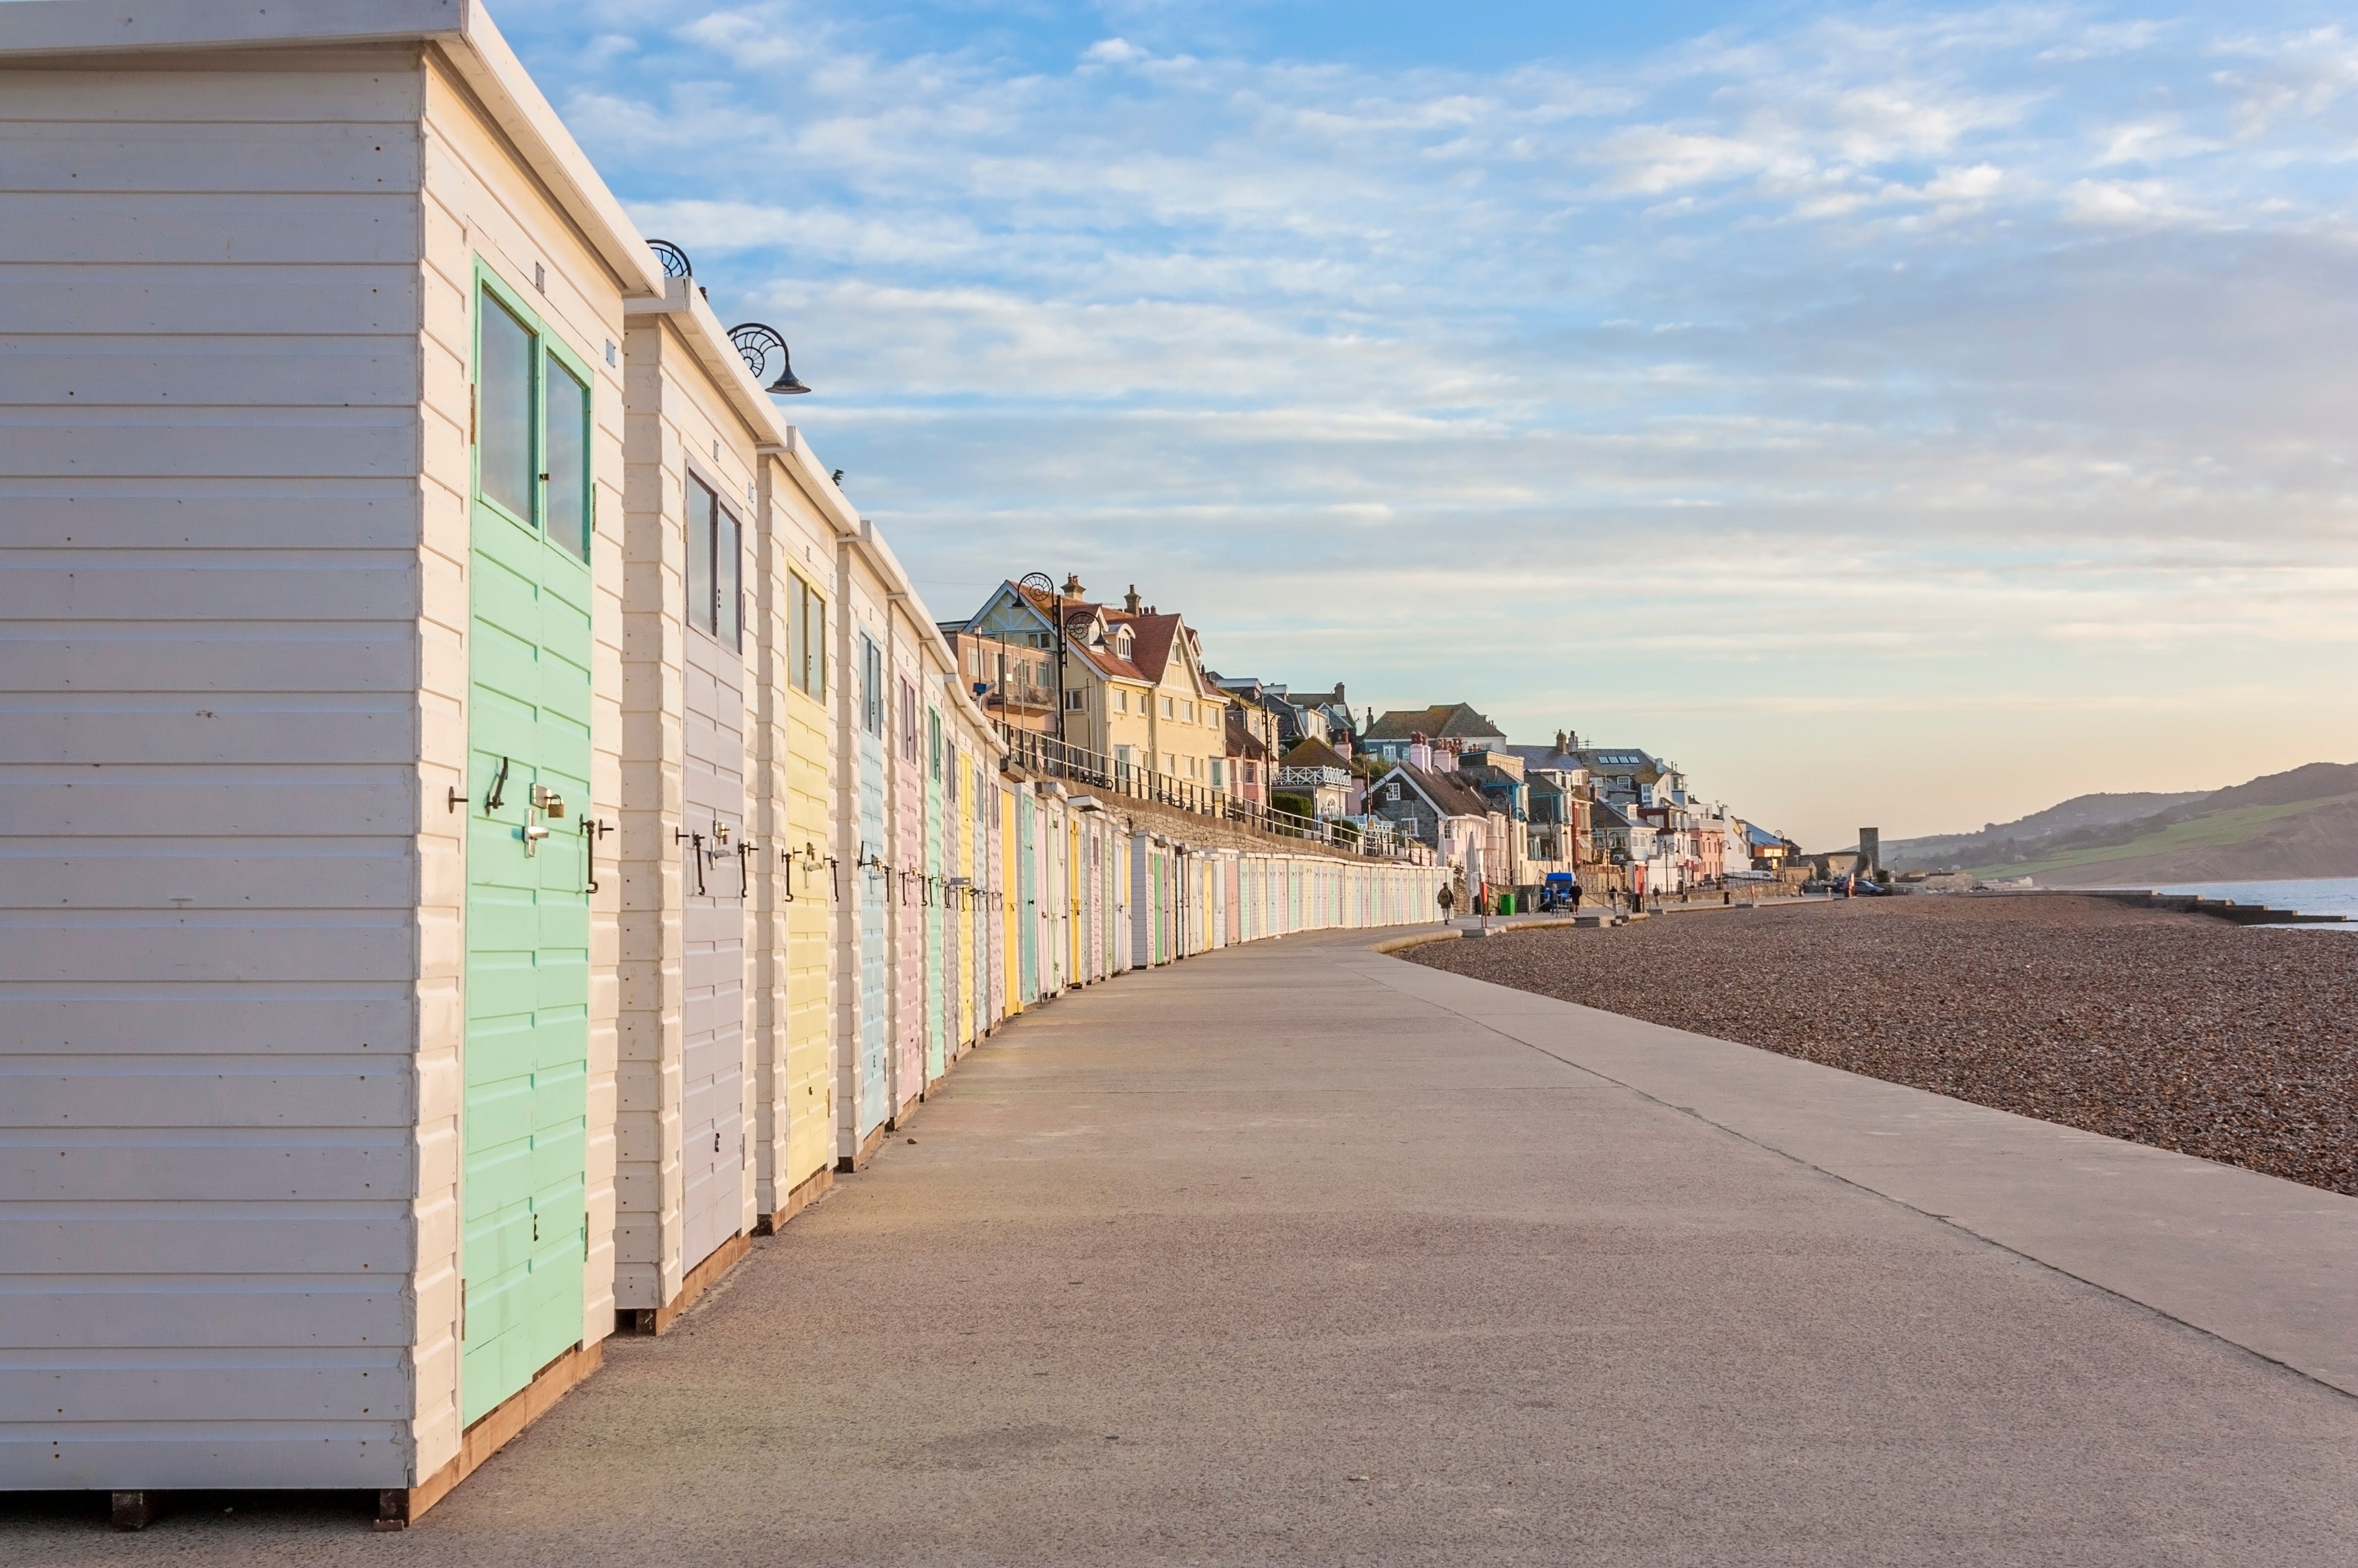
933,742
807,638
1120,700
1219,773
908,722
1166,707
531,423
1076,701
1187,712
1123,757
715,603
871,685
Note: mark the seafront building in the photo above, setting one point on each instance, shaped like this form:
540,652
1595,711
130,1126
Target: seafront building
496,829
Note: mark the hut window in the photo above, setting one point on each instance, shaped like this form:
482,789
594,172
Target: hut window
531,423
715,595
871,686
504,390
807,638
728,579
702,504
568,459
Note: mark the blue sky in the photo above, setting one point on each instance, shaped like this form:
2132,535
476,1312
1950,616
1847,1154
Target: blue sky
1894,415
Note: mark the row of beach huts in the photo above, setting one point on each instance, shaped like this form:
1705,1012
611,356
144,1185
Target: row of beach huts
488,829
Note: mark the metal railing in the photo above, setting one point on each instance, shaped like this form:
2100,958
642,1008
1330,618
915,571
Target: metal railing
1045,756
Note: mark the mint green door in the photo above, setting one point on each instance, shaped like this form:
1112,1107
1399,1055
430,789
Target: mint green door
524,1120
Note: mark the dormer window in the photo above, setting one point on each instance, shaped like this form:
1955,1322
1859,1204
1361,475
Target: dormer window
1121,643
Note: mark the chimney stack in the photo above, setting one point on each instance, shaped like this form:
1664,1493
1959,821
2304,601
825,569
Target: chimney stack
1129,600
1420,751
1072,589
1563,744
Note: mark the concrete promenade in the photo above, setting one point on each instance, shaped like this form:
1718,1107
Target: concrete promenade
1298,1254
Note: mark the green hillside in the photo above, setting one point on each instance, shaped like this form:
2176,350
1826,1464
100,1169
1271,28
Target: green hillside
2222,829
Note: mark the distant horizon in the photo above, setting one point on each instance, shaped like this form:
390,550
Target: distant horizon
1898,415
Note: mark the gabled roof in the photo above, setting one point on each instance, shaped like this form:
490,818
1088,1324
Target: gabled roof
1157,636
1154,638
1315,753
1258,693
1606,759
1442,721
1547,757
1446,793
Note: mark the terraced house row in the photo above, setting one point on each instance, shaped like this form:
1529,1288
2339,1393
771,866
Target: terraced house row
490,829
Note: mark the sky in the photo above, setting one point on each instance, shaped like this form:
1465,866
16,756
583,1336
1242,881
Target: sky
1892,415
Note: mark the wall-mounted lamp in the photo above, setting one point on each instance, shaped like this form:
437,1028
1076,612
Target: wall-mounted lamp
756,342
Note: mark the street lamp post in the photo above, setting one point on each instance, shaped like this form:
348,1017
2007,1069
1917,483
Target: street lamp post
1047,584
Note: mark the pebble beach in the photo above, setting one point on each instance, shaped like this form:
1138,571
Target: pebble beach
2231,1042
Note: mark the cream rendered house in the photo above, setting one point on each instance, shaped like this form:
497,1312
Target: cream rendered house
1135,691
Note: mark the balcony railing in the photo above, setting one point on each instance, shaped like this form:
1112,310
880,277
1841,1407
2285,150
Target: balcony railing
1045,756
1018,695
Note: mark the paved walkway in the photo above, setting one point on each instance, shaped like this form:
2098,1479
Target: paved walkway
1294,1254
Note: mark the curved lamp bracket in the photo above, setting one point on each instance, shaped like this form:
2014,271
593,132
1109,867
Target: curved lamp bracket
757,342
675,260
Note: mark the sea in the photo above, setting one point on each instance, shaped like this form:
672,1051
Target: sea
2305,895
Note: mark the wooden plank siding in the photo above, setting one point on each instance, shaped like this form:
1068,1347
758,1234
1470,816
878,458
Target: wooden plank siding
210,779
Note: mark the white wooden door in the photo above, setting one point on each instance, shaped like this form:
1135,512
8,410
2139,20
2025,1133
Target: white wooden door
713,870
